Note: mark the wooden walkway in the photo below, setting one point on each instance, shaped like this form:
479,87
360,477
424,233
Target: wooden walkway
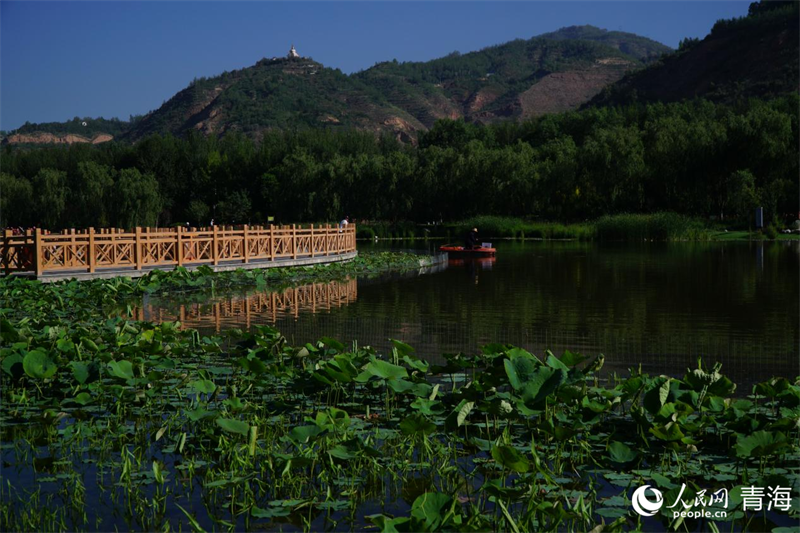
85,254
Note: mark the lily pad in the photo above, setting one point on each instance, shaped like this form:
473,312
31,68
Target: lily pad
38,365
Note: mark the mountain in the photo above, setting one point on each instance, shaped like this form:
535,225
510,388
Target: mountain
554,72
514,80
756,55
276,93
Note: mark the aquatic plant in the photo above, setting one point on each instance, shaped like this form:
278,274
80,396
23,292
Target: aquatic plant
111,423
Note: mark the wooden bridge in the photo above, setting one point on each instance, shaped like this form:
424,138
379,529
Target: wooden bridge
93,253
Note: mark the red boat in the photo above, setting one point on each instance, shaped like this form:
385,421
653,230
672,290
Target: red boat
459,251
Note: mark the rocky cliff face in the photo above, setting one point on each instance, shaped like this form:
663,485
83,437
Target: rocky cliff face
49,138
564,91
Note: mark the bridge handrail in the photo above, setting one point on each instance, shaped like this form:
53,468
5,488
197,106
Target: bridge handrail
39,251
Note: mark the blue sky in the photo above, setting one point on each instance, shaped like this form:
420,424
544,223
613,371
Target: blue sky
113,59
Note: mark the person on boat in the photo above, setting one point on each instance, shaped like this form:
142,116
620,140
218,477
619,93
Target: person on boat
471,241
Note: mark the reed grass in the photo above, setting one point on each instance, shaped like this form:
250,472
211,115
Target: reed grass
652,227
517,228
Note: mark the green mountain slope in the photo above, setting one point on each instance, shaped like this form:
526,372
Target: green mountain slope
551,73
751,56
276,94
631,44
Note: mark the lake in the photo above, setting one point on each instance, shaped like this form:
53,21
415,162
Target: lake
658,305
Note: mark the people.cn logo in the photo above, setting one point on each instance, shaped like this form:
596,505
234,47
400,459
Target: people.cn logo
642,505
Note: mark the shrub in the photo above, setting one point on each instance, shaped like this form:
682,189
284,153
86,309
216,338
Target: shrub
515,228
365,232
771,232
656,226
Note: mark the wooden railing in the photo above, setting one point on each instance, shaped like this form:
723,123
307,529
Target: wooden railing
41,252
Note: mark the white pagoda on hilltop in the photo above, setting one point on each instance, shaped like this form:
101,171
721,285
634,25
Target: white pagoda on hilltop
293,53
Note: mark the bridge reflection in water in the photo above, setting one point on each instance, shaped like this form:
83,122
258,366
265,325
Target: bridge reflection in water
309,312
247,310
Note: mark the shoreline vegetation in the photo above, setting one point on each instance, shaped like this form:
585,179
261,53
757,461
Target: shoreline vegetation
366,264
665,226
114,423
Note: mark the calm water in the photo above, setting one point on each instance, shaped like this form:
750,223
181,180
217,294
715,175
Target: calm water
658,305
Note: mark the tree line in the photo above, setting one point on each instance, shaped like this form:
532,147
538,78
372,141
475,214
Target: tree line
696,158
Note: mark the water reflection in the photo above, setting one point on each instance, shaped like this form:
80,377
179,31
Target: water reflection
660,306
473,266
246,310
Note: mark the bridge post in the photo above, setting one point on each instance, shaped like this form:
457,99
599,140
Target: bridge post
37,252
6,251
6,266
294,241
271,242
214,248
90,251
245,245
179,249
137,247
71,249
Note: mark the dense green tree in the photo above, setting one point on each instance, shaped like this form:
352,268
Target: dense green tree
613,163
16,201
51,197
743,195
198,213
137,198
235,208
693,157
91,195
558,192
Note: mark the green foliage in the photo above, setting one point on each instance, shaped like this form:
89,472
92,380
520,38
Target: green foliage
741,58
51,195
447,85
138,202
771,232
235,207
687,43
655,227
694,158
92,201
38,365
508,227
198,213
16,201
498,438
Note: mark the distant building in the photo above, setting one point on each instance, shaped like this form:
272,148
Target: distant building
293,53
